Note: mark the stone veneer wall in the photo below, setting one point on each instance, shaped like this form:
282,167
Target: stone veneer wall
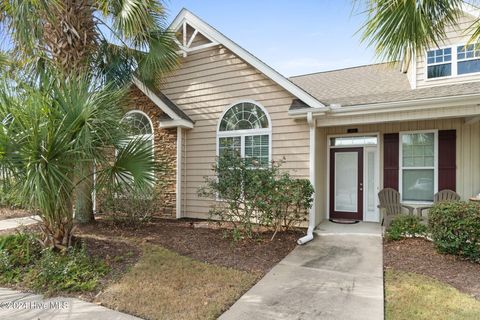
165,151
165,141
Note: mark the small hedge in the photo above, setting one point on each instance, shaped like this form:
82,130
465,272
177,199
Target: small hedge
404,226
455,228
23,261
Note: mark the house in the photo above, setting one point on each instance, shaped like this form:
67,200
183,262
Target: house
414,127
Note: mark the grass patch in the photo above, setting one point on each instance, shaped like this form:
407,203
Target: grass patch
24,263
166,285
413,296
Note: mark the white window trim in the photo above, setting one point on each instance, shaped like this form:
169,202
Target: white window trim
454,63
150,136
435,165
243,133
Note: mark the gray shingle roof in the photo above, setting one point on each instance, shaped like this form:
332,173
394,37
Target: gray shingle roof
377,83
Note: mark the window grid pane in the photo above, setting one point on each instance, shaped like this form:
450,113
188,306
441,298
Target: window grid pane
229,144
244,116
418,184
257,148
418,150
439,70
418,166
439,55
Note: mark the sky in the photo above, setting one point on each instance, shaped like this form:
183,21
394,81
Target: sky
293,37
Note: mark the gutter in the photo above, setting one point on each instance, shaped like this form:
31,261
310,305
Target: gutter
336,109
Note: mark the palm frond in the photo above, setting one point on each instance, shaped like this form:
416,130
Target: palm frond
397,28
134,168
139,28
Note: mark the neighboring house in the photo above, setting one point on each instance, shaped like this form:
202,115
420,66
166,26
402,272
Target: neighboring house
352,131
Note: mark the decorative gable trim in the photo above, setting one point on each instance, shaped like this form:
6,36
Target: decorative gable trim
185,18
186,44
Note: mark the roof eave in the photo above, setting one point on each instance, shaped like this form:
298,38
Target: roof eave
385,106
176,118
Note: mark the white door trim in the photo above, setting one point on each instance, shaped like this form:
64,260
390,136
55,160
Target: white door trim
377,168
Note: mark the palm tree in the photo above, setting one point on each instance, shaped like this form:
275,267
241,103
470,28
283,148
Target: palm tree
49,130
106,39
399,28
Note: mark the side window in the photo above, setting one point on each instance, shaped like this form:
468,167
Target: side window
439,63
468,59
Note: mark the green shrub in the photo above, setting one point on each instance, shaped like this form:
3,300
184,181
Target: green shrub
404,226
22,260
254,193
73,271
132,209
455,228
17,252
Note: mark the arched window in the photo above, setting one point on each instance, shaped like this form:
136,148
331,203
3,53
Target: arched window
245,127
139,125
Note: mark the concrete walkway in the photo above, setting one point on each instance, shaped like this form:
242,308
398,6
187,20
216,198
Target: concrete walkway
338,275
18,222
25,306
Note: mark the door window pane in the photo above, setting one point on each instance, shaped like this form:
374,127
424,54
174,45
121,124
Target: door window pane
418,185
346,174
370,183
354,140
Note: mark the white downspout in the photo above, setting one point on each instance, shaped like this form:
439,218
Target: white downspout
178,186
311,217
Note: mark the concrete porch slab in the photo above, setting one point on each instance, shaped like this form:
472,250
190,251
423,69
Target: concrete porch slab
335,276
362,228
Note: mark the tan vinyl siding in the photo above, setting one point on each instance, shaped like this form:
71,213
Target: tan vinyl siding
455,35
468,150
208,82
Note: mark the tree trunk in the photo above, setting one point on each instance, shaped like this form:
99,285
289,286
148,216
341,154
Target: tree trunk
70,38
83,202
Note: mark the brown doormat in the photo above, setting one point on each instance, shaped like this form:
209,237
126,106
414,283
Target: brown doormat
343,221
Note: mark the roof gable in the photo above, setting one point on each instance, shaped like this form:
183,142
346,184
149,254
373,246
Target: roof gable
185,20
